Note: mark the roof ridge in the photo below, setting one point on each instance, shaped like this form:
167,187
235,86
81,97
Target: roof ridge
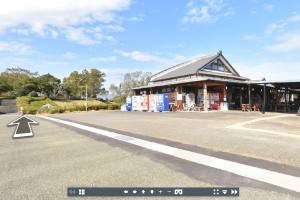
188,62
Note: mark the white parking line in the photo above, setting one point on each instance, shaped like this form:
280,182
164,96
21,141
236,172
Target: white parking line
267,176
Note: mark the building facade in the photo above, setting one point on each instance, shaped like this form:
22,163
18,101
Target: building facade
200,78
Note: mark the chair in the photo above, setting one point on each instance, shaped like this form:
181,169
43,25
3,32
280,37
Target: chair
244,107
198,107
174,108
256,107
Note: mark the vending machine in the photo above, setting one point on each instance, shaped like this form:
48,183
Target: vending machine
145,102
136,103
200,96
215,100
162,103
190,100
152,103
129,103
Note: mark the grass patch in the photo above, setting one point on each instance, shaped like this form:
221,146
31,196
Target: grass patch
32,104
63,103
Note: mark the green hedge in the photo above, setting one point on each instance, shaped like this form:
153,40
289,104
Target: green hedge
81,108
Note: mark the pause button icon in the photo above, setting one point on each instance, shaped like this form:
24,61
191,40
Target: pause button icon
81,191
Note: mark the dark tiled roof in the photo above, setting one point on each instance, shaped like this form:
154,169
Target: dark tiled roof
186,68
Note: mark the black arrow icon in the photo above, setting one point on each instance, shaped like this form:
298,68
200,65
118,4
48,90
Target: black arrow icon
23,129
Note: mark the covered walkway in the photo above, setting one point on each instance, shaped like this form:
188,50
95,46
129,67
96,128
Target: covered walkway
290,89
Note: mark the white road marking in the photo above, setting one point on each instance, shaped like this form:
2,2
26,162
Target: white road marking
239,126
267,176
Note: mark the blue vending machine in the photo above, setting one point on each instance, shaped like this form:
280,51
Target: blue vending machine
129,103
162,102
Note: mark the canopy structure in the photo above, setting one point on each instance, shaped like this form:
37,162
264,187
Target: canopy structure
293,85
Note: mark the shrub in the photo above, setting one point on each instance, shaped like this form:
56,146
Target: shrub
33,94
113,106
53,110
31,111
71,109
81,108
103,106
4,95
45,110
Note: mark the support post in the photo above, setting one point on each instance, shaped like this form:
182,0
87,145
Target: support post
285,96
86,104
264,99
205,96
120,95
249,110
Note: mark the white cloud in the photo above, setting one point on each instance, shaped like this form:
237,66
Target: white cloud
290,41
25,40
20,31
288,70
16,48
250,37
294,18
69,55
268,7
78,35
54,63
180,45
101,36
140,56
113,58
272,27
289,57
114,28
207,13
56,16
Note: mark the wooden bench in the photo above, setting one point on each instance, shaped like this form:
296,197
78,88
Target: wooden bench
198,107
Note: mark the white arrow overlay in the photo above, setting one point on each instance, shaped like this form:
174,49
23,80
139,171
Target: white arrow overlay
23,126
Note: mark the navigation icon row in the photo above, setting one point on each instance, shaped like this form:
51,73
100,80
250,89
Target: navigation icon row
176,191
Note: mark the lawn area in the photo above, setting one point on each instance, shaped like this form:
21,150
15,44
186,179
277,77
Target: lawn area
32,104
63,103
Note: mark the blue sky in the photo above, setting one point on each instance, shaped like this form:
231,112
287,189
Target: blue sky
259,38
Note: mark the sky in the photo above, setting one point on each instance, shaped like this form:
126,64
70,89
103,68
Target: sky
259,38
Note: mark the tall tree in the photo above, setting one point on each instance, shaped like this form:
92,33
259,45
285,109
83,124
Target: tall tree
18,81
93,79
131,80
47,82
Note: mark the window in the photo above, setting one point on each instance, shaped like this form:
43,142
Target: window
214,66
141,92
168,89
163,90
208,66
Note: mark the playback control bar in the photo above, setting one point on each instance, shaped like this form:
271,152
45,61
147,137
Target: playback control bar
131,192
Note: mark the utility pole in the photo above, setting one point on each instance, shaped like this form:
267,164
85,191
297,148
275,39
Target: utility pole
120,95
86,105
120,88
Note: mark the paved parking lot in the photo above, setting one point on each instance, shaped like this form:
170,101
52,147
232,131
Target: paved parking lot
57,157
209,130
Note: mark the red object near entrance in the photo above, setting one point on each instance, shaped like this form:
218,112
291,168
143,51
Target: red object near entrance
215,100
145,102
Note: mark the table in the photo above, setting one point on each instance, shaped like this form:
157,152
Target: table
245,107
171,106
198,106
284,107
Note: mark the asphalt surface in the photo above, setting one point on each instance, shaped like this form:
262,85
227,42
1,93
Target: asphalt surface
57,157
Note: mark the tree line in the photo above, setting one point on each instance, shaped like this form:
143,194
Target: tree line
18,82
